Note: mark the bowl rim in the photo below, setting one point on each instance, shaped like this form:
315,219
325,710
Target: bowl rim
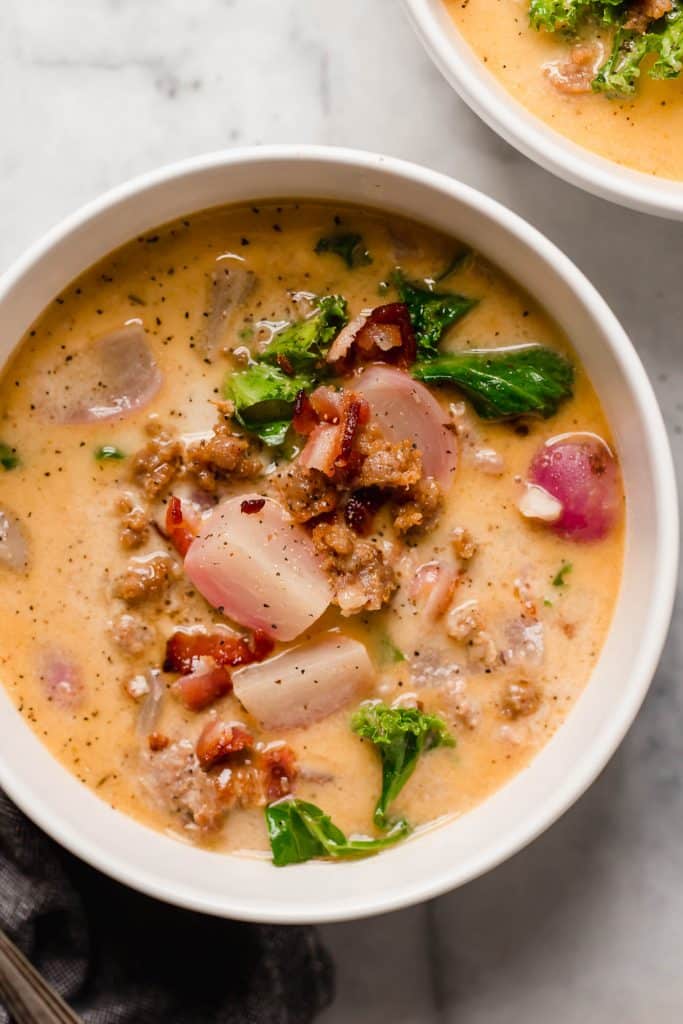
488,98
138,875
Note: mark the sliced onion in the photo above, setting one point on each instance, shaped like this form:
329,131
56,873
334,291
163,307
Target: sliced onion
432,587
581,473
306,683
113,376
13,545
62,679
150,710
228,289
404,409
260,569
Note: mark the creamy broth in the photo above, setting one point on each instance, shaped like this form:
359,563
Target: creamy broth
61,621
642,131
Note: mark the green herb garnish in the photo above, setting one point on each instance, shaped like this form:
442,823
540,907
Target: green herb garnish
349,246
400,735
9,457
107,452
569,15
560,578
299,831
504,383
431,313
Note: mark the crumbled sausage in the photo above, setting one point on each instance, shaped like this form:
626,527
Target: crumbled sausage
576,74
361,577
177,782
642,12
420,506
465,625
156,465
388,465
520,698
134,523
463,543
222,456
131,634
307,493
143,579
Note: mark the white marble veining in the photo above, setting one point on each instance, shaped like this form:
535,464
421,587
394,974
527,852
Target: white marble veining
586,926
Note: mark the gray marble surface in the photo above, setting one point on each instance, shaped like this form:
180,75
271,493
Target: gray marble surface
586,926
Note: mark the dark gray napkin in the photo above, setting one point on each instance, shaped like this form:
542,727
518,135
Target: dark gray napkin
122,958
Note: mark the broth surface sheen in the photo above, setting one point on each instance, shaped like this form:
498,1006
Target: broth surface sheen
71,651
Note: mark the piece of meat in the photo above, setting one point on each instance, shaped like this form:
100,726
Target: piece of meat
330,447
519,699
222,457
174,778
134,523
387,465
576,74
357,568
181,530
144,578
184,648
306,493
280,769
384,333
463,543
202,687
156,465
642,12
465,625
131,633
219,741
419,507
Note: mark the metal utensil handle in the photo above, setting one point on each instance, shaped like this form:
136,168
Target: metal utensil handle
25,994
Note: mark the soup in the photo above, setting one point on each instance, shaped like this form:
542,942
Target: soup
310,529
590,80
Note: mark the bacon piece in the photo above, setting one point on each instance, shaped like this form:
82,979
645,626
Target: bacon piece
385,333
304,419
177,527
361,507
203,686
280,769
184,648
218,741
329,448
252,505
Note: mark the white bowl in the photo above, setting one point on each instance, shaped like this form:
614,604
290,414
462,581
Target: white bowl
449,855
527,133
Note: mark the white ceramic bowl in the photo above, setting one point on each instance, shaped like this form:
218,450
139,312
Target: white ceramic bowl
527,133
451,854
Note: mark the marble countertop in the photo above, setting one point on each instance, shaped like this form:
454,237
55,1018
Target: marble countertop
587,924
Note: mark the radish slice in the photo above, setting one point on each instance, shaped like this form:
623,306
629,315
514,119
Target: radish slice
115,375
13,546
306,683
580,472
62,680
259,569
404,409
229,288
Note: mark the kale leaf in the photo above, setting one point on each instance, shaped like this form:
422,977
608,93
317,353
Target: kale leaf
299,831
431,313
568,15
302,346
9,458
669,45
619,75
264,398
503,384
348,246
400,735
560,577
264,393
